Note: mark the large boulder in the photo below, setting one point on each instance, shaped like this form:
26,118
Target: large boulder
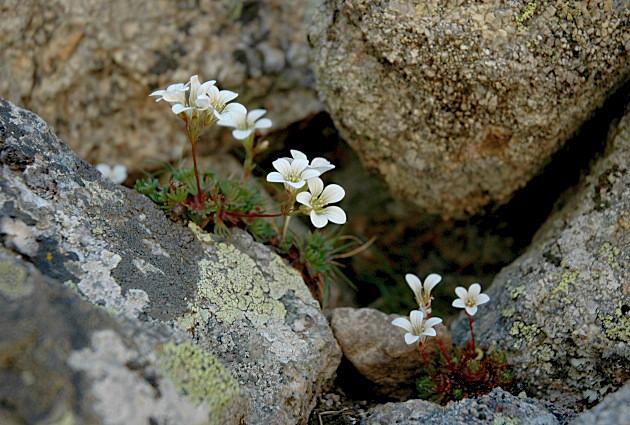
65,361
614,409
562,310
85,65
497,407
459,103
239,305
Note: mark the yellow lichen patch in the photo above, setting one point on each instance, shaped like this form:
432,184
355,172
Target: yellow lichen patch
524,332
13,284
617,325
526,15
566,279
199,376
233,287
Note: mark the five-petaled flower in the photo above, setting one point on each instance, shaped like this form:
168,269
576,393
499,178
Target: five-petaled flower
116,174
244,123
293,174
470,299
417,327
422,291
316,202
175,94
320,164
217,100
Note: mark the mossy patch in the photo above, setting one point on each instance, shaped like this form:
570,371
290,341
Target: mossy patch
234,287
526,15
13,284
199,376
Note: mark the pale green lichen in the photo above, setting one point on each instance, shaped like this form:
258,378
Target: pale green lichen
609,253
567,279
234,287
523,332
13,284
617,325
526,15
500,419
199,376
516,292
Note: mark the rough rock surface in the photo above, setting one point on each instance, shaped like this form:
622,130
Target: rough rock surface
613,410
459,103
497,407
236,301
65,361
84,65
562,310
377,350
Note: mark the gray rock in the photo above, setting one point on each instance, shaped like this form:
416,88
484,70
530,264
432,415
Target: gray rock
614,409
562,310
497,407
377,350
459,103
66,361
85,65
236,300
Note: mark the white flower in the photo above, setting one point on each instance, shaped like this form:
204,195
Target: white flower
293,174
244,123
215,99
470,299
417,328
317,199
423,291
175,94
117,174
320,164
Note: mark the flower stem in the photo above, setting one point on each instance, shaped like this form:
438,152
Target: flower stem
444,352
423,354
252,214
472,332
248,165
192,139
285,227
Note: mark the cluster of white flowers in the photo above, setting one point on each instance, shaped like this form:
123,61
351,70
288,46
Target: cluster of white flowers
208,104
420,323
301,179
116,174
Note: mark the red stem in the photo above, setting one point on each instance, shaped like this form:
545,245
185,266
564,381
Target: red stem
423,354
252,214
444,352
472,332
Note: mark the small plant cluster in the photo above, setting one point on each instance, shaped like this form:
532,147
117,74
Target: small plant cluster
456,372
217,204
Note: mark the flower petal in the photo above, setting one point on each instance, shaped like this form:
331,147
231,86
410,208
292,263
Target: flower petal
178,108
335,214
275,177
433,321
318,220
226,96
263,123
296,185
310,173
254,115
459,303
282,165
411,339
471,310
299,165
461,292
315,186
333,193
402,322
474,290
416,317
482,299
296,154
429,332
430,281
414,283
304,198
241,134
